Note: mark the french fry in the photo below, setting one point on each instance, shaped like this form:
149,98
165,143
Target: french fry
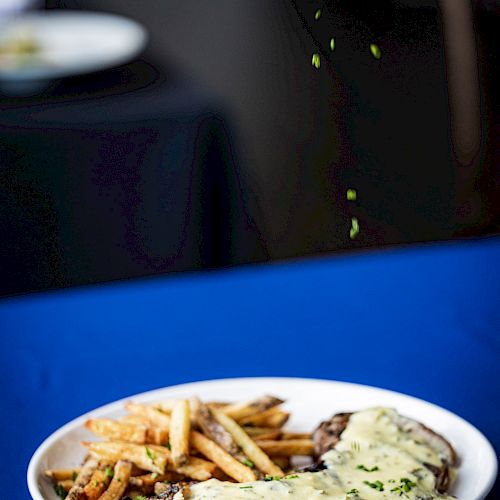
99,481
67,484
287,448
153,415
296,435
157,435
62,474
180,427
117,431
119,483
76,491
249,447
141,455
166,406
215,431
273,417
222,458
245,409
135,420
196,468
273,435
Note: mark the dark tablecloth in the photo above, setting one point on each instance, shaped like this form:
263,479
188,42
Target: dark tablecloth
423,321
121,173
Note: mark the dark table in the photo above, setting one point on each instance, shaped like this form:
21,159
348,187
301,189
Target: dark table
125,172
422,320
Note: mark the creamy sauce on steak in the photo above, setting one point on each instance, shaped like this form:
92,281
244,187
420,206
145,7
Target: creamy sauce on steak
374,460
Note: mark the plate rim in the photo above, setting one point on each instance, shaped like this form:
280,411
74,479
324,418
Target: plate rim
32,478
140,32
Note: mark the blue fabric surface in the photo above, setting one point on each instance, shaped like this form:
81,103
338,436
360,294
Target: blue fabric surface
421,320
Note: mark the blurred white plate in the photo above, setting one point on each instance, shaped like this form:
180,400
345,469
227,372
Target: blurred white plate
310,402
66,43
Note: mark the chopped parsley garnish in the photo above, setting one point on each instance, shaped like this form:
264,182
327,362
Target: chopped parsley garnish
154,475
60,491
376,485
332,44
366,469
352,194
292,476
140,497
316,61
246,487
167,445
375,50
272,478
317,14
248,463
109,471
354,491
74,475
405,486
354,231
150,454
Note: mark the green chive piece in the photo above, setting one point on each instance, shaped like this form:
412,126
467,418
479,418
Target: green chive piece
246,487
375,50
248,463
353,233
109,471
316,61
317,14
332,44
60,491
352,194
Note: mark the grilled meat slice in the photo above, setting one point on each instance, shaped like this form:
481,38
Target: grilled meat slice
328,434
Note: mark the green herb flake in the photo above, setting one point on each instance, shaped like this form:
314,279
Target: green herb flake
60,491
366,469
316,61
354,231
332,44
167,445
140,497
272,478
292,476
74,475
354,491
154,475
150,454
375,50
352,194
109,471
376,485
248,463
246,487
317,14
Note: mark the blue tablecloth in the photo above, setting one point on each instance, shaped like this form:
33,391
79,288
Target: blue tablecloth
421,320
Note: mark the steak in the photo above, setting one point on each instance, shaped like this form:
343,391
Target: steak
328,434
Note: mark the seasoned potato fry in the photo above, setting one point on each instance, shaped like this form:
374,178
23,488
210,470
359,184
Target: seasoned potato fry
214,430
222,458
296,435
196,468
166,406
119,483
274,418
270,436
239,411
67,484
249,447
99,481
117,431
142,455
180,427
76,491
153,415
135,420
287,448
62,474
157,435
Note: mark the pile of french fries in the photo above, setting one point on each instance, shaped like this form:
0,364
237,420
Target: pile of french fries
166,446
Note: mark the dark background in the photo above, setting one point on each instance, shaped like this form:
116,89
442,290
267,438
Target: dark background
304,136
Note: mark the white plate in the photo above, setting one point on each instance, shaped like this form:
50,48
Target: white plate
310,402
69,43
